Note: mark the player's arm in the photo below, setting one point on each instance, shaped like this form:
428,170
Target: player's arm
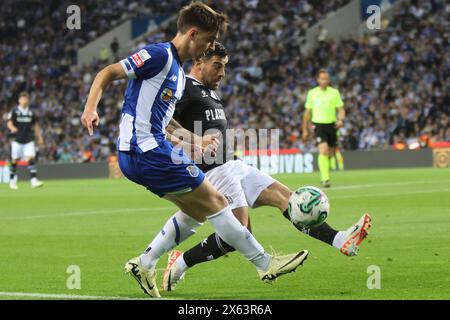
11,126
174,127
10,123
195,151
208,141
306,120
340,111
102,80
38,134
340,117
306,117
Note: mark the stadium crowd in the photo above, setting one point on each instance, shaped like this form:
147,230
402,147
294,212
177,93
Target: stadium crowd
395,83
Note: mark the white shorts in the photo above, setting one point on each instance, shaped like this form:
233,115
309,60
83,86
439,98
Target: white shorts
22,150
240,183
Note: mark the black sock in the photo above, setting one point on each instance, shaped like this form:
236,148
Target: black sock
13,169
323,232
211,248
32,169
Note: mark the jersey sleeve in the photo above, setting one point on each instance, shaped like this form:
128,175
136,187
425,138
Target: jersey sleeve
338,100
181,106
12,116
145,63
308,103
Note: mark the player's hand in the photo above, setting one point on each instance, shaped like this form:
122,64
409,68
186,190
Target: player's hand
305,136
210,143
89,119
196,152
41,142
13,129
339,124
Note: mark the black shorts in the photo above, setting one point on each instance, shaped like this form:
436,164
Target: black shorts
326,132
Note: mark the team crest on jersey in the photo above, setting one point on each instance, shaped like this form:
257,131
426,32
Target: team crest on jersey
193,171
140,57
166,95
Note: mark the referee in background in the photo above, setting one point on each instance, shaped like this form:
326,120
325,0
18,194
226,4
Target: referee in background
324,107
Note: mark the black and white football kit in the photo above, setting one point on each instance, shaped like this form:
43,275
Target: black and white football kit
240,183
23,144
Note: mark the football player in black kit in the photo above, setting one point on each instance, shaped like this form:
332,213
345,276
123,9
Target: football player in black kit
244,186
23,126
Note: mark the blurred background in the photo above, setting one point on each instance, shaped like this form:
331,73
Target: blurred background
394,81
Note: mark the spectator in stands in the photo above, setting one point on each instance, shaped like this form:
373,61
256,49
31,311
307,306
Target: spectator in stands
115,49
396,81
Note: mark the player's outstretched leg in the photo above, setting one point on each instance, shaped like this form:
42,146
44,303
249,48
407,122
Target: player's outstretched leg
199,200
199,204
347,242
205,199
211,248
178,228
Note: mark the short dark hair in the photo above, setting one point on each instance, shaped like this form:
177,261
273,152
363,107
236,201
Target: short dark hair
198,14
23,94
219,50
322,71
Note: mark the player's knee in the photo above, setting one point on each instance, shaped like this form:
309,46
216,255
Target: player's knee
220,199
214,201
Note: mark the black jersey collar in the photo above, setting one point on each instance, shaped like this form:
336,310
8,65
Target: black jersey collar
175,53
195,79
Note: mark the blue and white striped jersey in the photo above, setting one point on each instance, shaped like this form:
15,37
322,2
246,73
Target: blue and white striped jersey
156,83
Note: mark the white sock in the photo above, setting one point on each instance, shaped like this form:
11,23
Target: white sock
177,229
181,265
339,239
236,235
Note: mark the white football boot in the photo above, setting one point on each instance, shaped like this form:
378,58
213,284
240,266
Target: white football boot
355,235
280,265
13,184
35,183
146,278
172,274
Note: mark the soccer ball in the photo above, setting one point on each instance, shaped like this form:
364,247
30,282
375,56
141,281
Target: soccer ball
308,207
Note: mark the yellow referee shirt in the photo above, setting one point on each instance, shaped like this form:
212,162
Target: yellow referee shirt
323,104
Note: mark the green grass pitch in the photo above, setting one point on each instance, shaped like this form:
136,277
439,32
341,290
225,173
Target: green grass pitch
99,224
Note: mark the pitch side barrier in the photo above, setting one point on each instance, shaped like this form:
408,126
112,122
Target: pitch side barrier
285,161
296,161
59,171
